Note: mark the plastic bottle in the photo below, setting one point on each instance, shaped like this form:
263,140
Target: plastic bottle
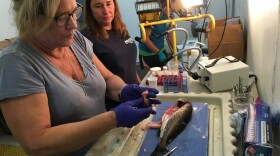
164,70
192,58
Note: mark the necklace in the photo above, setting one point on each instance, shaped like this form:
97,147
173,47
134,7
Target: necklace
59,66
67,70
75,72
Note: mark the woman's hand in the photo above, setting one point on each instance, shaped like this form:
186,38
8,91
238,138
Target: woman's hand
134,91
132,112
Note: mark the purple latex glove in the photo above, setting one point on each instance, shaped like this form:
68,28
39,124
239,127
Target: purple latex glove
134,91
132,112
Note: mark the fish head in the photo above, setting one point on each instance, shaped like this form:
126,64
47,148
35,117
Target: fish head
182,101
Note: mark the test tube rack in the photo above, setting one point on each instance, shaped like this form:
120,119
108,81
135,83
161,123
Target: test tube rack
170,84
173,85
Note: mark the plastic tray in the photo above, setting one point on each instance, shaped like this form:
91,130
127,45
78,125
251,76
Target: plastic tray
195,132
123,141
220,141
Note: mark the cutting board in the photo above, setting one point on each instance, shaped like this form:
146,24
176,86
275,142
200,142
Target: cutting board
193,140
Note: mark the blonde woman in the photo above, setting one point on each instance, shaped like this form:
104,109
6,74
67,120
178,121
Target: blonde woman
52,85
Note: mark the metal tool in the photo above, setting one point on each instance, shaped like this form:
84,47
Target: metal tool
240,89
172,150
240,85
249,88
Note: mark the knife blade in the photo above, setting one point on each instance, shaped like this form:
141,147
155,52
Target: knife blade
172,150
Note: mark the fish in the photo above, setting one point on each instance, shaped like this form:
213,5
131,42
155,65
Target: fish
167,114
172,126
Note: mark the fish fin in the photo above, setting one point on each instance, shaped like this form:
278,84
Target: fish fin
160,150
154,125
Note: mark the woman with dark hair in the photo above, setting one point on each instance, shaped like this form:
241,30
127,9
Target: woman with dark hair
104,27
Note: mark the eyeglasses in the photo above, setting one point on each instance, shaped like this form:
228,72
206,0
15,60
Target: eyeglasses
62,20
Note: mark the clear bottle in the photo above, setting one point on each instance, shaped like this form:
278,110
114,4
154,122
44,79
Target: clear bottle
192,58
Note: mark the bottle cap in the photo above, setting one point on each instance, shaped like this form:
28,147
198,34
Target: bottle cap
194,52
180,68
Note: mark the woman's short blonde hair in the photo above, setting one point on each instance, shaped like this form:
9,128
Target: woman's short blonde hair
34,16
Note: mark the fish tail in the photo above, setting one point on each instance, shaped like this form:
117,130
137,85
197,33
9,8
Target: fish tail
159,150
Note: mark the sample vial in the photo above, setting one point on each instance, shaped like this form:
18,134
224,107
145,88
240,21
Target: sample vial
180,78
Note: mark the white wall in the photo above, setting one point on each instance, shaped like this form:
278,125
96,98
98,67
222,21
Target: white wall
7,28
261,22
261,26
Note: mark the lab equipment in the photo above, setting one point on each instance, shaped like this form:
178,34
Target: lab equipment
173,149
240,101
241,95
148,10
171,19
180,77
222,73
173,84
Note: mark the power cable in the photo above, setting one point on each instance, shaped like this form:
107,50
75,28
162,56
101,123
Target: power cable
203,24
209,54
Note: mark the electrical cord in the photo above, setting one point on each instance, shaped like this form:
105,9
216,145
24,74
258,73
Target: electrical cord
204,20
255,76
195,75
175,29
217,59
209,54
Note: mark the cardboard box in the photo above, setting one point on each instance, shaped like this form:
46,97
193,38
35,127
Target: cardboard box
233,43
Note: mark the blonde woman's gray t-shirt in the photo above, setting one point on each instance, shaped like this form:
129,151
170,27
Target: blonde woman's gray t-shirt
24,71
